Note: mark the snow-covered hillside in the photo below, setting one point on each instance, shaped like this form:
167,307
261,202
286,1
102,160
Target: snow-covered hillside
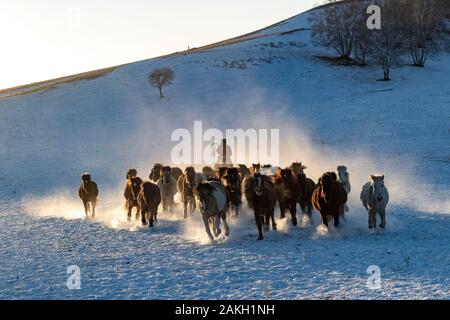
328,115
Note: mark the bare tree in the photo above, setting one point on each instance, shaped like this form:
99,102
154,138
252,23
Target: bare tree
425,26
334,26
363,37
389,41
161,77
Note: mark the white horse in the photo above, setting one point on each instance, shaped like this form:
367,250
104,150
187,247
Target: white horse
344,180
213,206
375,197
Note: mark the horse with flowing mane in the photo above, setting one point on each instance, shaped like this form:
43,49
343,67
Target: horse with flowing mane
328,198
214,207
375,198
260,194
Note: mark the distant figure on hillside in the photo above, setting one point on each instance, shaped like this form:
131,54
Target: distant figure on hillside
224,153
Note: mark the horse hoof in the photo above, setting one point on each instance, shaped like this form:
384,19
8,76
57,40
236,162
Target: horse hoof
260,238
382,226
266,228
294,222
274,227
370,227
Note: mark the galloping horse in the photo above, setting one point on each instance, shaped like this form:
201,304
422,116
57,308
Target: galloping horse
233,187
148,197
305,190
88,193
213,206
344,180
259,192
375,198
186,186
286,191
168,187
134,183
328,198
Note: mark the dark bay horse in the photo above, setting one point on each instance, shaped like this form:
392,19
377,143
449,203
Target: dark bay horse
88,193
259,192
286,192
232,181
306,188
148,197
155,173
328,198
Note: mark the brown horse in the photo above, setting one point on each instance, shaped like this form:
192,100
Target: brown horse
306,188
259,192
286,192
133,181
232,181
328,198
186,186
148,197
155,173
88,193
168,187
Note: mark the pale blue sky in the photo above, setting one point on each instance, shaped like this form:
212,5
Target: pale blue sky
50,38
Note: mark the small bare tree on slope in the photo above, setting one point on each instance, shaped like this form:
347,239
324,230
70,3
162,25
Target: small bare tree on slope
161,77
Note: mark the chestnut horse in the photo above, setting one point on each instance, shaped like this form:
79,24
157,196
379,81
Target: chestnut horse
328,198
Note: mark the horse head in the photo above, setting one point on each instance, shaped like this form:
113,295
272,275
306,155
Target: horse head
259,184
297,168
155,174
131,173
328,186
232,179
343,174
190,177
136,183
377,187
166,174
286,176
86,178
256,168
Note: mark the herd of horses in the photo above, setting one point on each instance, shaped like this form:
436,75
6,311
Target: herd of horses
219,193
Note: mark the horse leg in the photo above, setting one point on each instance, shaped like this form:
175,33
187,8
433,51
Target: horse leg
93,205
266,221
293,210
383,218
282,210
225,224
185,204
217,230
143,215
336,220
208,231
138,211
86,208
258,218
153,216
372,219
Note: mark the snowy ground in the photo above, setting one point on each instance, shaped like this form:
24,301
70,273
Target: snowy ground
328,115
